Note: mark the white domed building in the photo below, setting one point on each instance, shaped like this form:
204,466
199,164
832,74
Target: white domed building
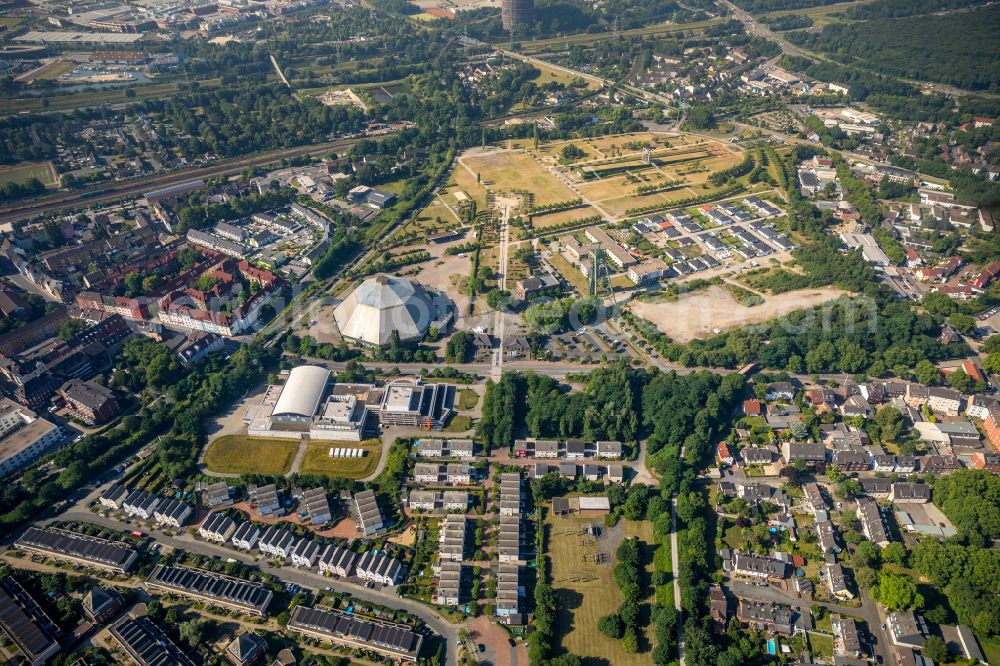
383,304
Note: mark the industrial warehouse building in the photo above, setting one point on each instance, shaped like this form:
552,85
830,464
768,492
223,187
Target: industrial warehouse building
384,304
309,404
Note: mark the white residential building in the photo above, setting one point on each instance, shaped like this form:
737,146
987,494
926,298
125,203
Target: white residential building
246,535
277,542
379,568
337,561
217,527
305,553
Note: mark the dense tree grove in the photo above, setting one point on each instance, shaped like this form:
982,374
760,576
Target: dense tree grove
175,422
556,316
970,186
968,576
887,46
459,348
11,190
779,5
901,8
619,403
628,575
537,406
196,212
971,500
891,96
788,22
33,137
238,120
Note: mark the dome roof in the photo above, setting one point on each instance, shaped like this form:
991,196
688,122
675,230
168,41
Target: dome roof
302,391
382,304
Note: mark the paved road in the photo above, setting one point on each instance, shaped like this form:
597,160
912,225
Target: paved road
498,327
277,69
676,564
289,574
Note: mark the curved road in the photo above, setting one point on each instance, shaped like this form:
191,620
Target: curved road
290,574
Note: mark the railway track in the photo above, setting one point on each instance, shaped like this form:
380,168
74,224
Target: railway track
124,189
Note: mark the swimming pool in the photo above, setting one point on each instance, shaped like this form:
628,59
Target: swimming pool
772,647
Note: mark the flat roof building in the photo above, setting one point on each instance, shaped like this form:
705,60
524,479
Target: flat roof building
24,438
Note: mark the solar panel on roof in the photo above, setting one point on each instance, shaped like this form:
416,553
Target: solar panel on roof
21,627
365,631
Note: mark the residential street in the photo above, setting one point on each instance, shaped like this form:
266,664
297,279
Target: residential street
289,574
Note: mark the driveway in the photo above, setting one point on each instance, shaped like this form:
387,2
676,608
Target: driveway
498,650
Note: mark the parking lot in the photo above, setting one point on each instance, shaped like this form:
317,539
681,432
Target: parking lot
588,343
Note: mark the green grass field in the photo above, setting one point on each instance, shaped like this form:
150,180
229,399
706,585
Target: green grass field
587,591
318,461
23,173
467,399
550,74
459,423
54,70
991,649
507,171
822,646
239,454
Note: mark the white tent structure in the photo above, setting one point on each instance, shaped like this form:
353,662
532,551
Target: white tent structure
301,394
383,304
